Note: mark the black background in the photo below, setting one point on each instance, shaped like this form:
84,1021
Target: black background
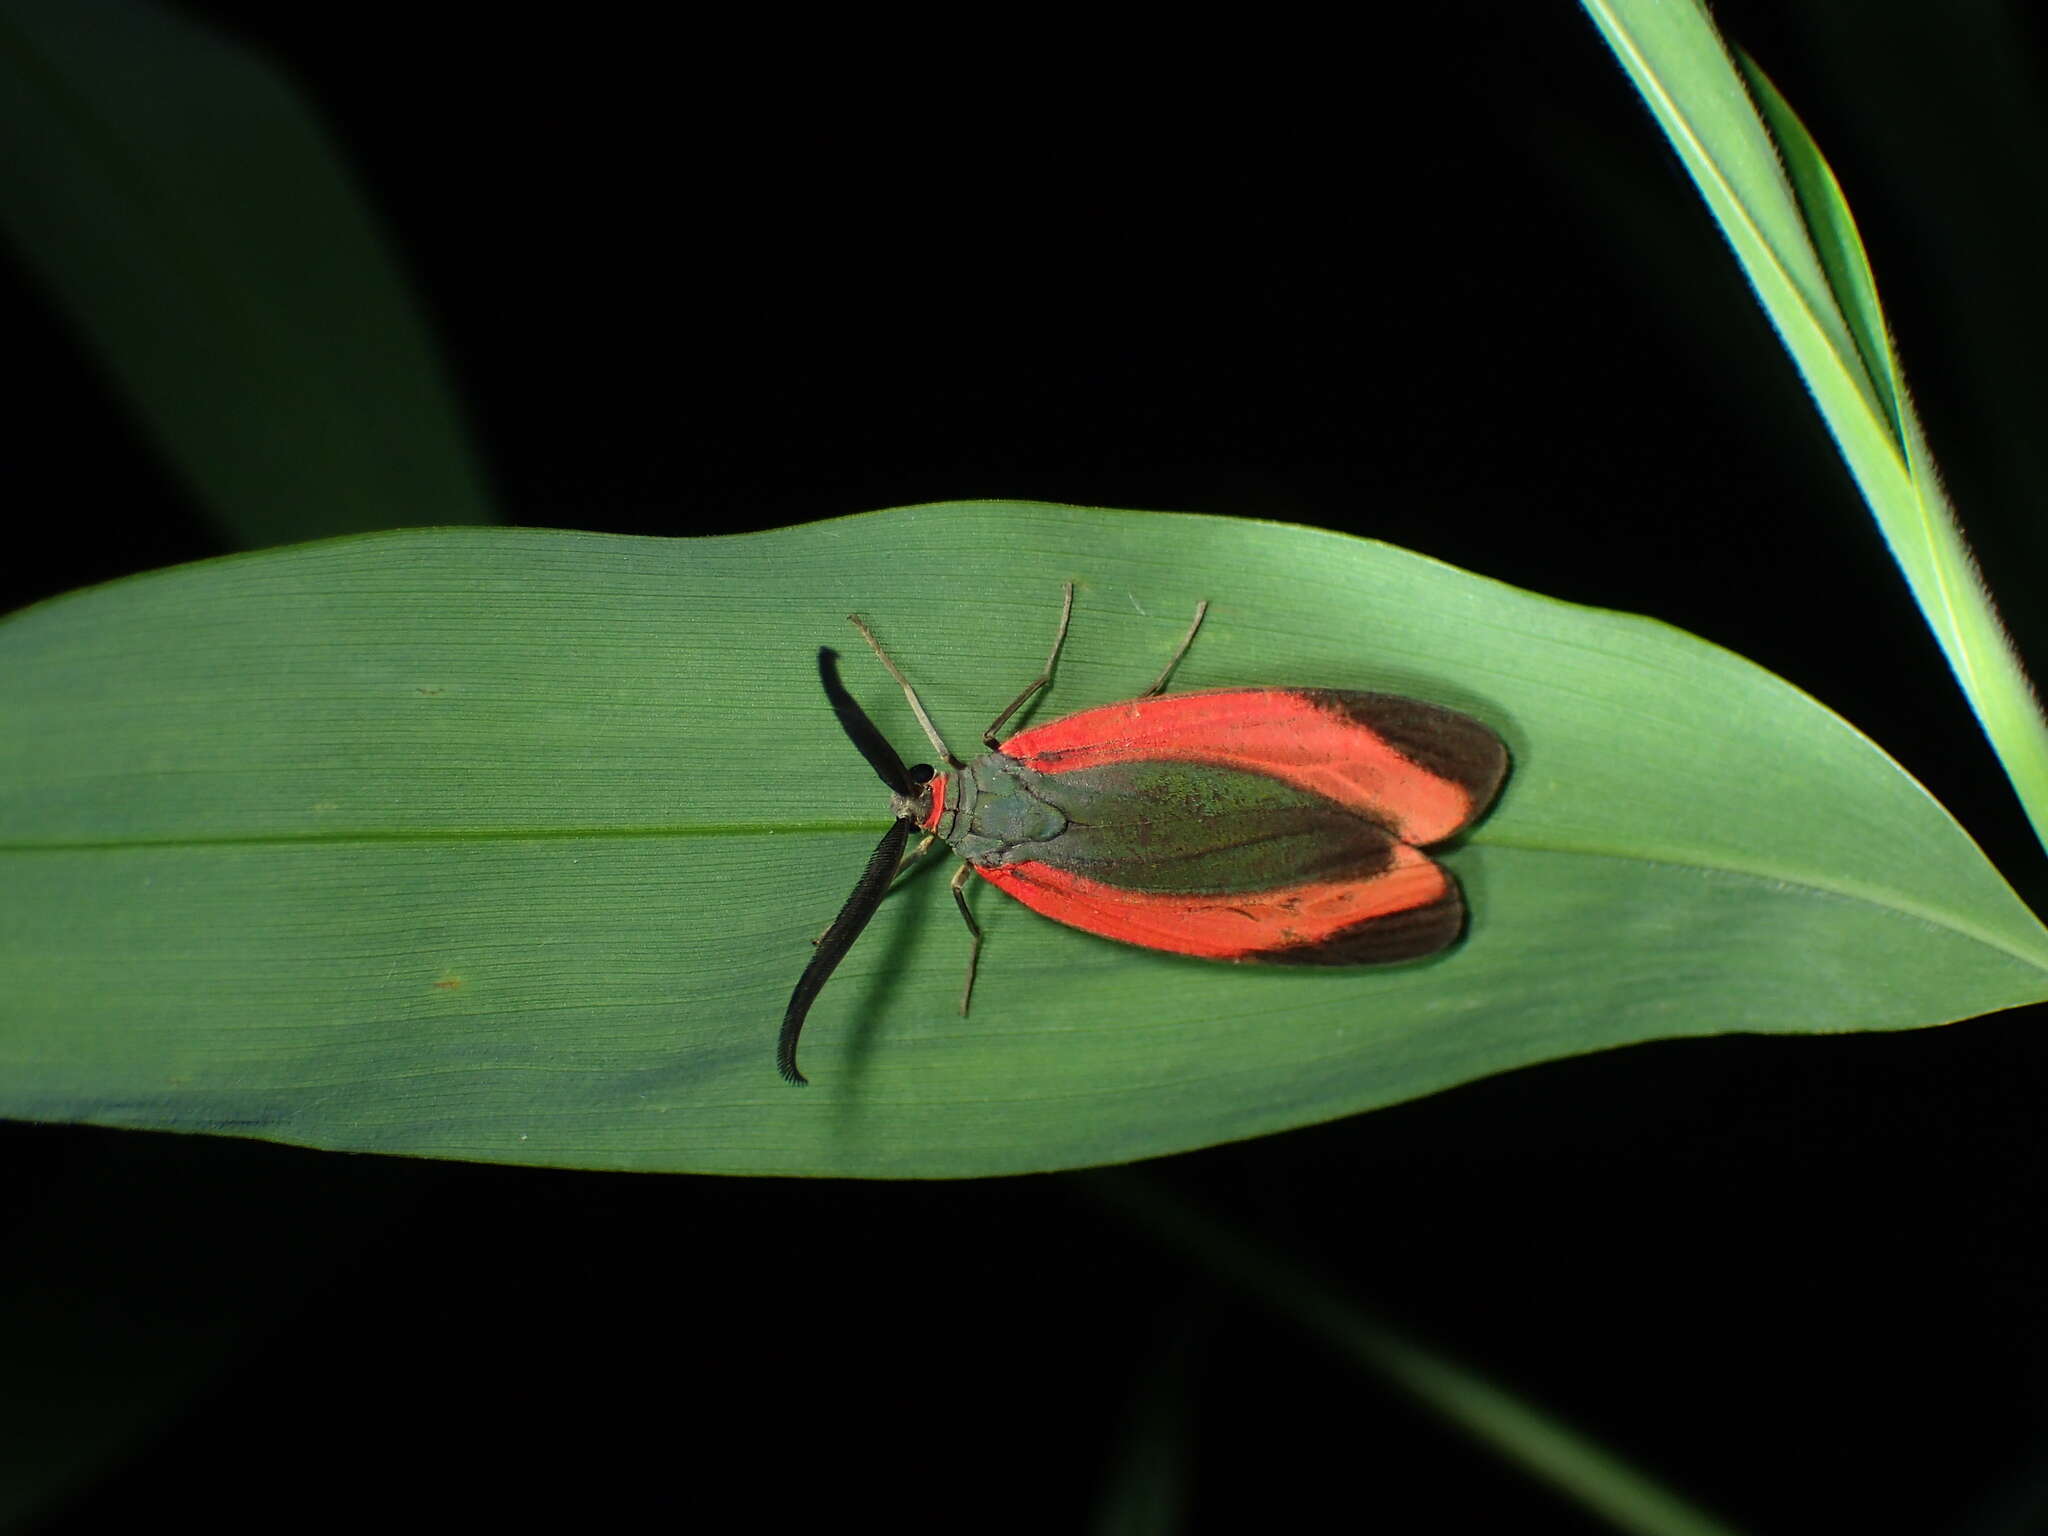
1440,283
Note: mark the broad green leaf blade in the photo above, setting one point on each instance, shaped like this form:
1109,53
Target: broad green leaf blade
1791,229
185,207
509,844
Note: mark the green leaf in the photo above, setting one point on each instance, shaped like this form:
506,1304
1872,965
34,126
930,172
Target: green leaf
510,844
183,204
1778,204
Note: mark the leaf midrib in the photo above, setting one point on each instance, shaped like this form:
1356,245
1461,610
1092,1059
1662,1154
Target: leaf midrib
1880,898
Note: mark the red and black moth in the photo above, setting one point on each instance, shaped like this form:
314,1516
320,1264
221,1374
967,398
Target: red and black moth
1277,826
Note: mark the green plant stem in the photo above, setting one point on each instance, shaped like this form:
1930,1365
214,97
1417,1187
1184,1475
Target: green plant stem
1532,1439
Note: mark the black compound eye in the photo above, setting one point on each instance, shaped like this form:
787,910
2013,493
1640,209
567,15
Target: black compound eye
921,773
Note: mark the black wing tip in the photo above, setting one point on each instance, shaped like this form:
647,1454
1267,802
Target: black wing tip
1390,939
1442,741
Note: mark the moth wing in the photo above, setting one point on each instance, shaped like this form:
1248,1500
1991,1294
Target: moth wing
1421,771
1407,907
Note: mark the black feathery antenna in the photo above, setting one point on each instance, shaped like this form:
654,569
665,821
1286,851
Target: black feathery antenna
846,927
875,879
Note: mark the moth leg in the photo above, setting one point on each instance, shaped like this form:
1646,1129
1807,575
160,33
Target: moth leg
1201,610
907,860
1066,615
916,704
973,949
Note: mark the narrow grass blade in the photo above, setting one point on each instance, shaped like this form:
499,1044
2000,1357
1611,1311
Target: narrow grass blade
1523,1433
183,204
1784,216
